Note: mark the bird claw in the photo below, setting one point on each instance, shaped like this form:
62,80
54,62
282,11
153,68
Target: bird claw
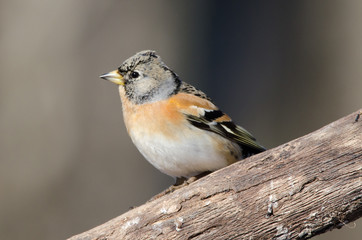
180,182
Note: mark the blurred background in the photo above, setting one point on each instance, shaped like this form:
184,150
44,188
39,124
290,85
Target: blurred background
66,162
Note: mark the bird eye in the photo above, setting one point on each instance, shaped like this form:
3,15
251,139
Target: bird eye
135,74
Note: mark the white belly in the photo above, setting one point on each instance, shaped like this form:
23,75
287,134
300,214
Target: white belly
187,154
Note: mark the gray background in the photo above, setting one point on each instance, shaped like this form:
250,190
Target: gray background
280,69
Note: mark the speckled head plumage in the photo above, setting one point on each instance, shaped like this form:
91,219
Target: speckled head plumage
140,57
147,79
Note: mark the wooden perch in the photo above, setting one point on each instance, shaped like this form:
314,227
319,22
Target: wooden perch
295,191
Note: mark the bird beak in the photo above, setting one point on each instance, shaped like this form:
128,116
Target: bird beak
114,77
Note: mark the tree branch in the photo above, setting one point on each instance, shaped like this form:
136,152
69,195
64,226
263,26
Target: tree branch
295,191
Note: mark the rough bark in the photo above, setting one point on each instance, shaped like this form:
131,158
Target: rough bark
295,191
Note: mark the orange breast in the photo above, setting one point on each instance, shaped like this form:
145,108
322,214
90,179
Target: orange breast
155,118
163,117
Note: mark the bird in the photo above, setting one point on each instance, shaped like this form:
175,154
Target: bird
175,126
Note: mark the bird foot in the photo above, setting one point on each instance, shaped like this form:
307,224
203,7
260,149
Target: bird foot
180,182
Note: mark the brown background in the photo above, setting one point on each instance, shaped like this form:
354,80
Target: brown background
279,69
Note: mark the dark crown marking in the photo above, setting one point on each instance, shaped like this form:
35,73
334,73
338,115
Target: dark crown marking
141,57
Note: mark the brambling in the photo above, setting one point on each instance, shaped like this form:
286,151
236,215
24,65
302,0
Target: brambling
175,126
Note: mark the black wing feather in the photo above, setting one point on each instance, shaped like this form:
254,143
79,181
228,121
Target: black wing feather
228,130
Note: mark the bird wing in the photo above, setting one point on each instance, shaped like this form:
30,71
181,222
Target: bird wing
203,114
